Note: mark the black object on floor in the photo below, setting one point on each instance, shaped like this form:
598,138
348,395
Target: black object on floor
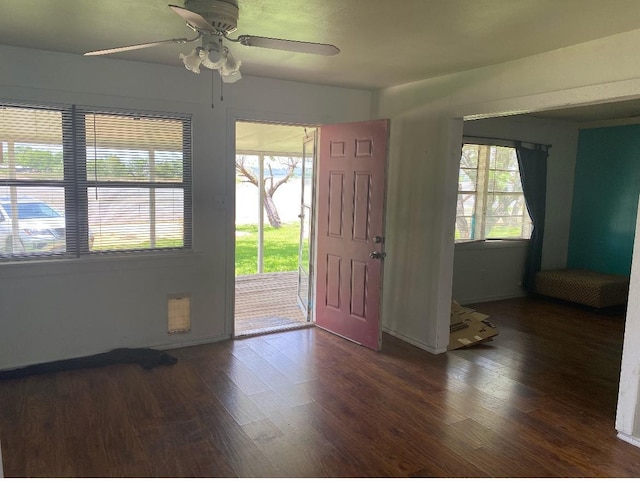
145,357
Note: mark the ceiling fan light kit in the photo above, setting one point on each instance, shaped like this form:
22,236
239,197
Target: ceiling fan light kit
192,60
213,21
215,56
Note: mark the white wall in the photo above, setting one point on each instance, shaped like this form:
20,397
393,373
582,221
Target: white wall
426,130
494,270
66,308
628,419
488,271
62,309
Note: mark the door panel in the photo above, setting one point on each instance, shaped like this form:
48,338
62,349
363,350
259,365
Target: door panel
336,202
351,187
305,249
362,206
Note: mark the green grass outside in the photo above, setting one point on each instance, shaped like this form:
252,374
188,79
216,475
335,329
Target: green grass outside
118,245
280,248
505,232
501,232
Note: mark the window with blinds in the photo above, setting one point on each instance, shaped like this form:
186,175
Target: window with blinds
491,203
75,181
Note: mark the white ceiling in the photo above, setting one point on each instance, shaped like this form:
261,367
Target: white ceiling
253,137
628,109
383,42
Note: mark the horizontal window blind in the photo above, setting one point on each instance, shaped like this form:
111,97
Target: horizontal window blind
33,219
137,178
77,181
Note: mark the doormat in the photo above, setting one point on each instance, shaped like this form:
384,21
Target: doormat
267,324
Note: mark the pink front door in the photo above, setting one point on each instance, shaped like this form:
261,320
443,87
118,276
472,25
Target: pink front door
350,240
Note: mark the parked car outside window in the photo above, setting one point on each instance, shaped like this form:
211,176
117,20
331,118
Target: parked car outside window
40,228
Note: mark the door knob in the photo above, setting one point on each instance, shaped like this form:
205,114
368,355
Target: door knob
377,255
378,239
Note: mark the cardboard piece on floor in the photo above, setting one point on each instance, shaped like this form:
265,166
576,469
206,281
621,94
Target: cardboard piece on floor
468,327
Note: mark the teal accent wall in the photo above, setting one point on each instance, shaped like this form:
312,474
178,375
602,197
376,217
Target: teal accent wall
605,199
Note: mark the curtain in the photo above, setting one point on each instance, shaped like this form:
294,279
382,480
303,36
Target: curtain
533,174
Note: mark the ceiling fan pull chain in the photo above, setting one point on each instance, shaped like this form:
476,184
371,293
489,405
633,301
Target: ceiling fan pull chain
95,155
221,53
212,106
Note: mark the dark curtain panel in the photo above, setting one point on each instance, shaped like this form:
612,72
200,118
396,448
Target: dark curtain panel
533,173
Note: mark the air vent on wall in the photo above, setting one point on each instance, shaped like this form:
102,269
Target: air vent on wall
179,314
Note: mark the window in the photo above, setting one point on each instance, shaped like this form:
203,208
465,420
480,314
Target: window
75,181
490,203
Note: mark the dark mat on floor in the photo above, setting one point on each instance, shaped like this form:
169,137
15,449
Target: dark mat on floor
145,357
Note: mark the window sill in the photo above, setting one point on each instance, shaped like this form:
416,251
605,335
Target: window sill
491,244
103,262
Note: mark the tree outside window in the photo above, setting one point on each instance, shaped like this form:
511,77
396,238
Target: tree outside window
490,203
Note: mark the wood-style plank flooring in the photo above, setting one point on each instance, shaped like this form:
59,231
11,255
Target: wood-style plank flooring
538,401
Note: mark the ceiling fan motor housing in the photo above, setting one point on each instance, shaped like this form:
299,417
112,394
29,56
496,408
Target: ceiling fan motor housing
221,14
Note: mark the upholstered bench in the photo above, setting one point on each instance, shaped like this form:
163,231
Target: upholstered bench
590,288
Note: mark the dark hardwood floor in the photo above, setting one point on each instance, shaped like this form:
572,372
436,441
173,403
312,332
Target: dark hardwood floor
538,401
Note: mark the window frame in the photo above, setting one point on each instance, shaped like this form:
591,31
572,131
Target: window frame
482,192
76,184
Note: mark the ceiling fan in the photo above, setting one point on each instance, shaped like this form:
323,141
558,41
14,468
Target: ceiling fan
213,21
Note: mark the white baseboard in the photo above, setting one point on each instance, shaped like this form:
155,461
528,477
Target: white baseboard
184,344
163,346
470,301
431,349
629,439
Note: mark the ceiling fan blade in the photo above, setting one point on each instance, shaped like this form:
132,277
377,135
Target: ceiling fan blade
195,20
141,46
289,45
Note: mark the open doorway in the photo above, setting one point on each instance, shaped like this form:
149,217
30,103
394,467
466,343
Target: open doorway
274,192
583,195
341,268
